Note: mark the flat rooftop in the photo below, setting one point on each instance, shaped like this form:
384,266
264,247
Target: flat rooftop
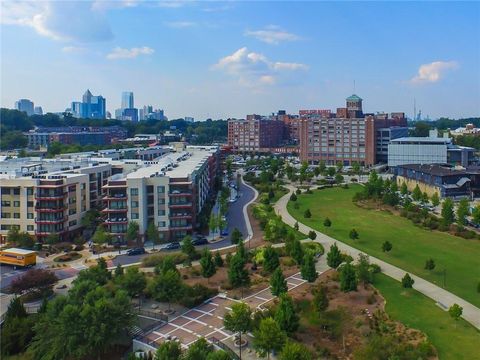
425,139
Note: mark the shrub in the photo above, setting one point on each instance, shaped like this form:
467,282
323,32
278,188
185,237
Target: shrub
157,259
196,294
307,214
314,247
375,269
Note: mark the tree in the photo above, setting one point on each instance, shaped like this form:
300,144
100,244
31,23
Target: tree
118,271
330,171
166,286
334,257
295,351
52,239
270,259
312,235
199,350
213,223
363,269
297,252
285,315
455,312
308,270
17,329
278,284
435,199
339,178
133,282
293,197
152,234
348,278
237,274
132,231
236,237
268,337
387,246
327,222
307,214
218,259
463,211
417,193
448,215
207,264
353,234
238,320
339,166
425,198
34,281
188,248
407,281
320,299
476,214
404,189
97,274
295,226
430,264
101,236
169,350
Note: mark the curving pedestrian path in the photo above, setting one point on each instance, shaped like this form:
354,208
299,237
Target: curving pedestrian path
444,298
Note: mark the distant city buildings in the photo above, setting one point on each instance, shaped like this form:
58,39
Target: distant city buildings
38,110
148,113
127,111
91,107
189,119
26,106
469,129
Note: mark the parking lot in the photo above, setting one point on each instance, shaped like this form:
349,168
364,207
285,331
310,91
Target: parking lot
206,320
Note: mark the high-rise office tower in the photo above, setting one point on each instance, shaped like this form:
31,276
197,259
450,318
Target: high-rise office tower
91,107
127,100
25,105
38,110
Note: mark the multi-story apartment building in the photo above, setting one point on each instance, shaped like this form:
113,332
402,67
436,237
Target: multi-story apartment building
44,197
255,133
169,192
348,136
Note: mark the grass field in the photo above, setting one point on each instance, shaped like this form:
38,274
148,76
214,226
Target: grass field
454,340
412,245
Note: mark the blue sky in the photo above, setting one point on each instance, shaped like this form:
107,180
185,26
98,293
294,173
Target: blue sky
229,59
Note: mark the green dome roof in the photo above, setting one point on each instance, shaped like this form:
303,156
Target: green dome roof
354,98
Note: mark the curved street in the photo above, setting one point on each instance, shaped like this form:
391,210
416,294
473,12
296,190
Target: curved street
471,313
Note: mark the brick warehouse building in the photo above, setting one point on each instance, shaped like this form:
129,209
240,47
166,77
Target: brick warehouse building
255,133
348,136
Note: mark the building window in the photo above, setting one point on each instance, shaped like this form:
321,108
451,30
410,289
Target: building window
6,215
5,203
134,204
72,211
29,203
16,191
134,191
16,215
162,224
72,223
161,212
16,204
134,216
160,189
6,191
29,215
161,201
29,191
29,227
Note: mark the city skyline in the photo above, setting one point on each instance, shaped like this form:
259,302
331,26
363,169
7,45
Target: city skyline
228,59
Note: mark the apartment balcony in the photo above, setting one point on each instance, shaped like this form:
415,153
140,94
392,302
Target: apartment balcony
179,216
46,233
55,196
115,197
50,209
180,205
177,194
119,220
115,210
182,227
51,221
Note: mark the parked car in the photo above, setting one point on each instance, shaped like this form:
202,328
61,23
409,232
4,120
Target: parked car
200,241
224,232
136,251
172,246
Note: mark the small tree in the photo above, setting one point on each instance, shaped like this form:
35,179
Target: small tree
312,235
278,284
348,278
353,234
339,166
430,264
334,257
463,211
236,236
476,214
387,246
188,248
218,259
169,350
213,223
133,282
207,264
101,236
295,226
417,193
33,281
237,274
268,337
270,259
363,269
320,299
327,222
455,312
297,251
132,231
448,215
239,320
167,286
307,214
339,178
118,271
199,350
295,351
152,234
425,198
285,315
404,189
308,270
293,197
407,281
435,199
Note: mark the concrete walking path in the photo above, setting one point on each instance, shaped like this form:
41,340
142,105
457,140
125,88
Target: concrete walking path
444,298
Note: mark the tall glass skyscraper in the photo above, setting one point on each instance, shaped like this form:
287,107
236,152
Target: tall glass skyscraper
91,107
127,100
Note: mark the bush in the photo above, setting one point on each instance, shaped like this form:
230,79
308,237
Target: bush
314,247
196,294
157,259
375,269
307,214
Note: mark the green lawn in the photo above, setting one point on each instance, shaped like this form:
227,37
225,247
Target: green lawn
454,340
412,245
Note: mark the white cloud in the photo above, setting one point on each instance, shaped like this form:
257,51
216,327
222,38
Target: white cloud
180,24
58,20
433,72
172,4
121,53
272,35
254,69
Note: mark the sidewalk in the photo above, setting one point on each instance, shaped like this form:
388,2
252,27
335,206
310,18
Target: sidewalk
471,313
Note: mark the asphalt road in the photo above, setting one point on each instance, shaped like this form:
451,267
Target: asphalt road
235,219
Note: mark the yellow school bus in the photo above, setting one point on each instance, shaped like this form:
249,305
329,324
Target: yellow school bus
18,257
